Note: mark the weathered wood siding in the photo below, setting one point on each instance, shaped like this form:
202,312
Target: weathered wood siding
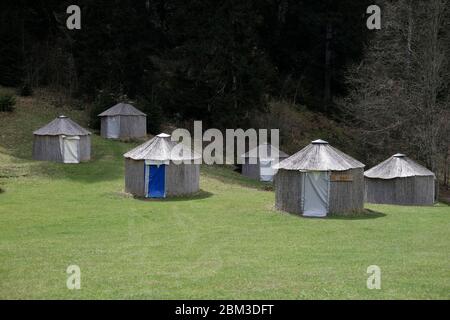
134,177
288,190
402,191
347,196
85,148
130,127
133,127
251,170
104,126
182,179
344,197
47,148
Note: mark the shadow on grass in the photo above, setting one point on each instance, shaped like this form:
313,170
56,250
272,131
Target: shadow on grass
226,174
363,215
196,196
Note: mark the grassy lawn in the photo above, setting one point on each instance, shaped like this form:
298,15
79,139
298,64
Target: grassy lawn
226,242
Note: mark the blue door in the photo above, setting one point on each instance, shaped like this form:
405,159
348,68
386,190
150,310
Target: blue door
156,181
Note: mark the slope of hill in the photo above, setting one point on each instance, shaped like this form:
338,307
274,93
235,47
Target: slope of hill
225,242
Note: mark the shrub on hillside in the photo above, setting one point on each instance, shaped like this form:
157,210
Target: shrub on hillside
298,126
105,99
154,114
25,90
7,103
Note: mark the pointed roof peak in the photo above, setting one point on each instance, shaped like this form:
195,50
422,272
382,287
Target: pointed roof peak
320,156
399,155
393,168
319,141
62,125
265,151
122,109
161,148
163,135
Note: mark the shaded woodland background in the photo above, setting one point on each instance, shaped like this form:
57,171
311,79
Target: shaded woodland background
288,64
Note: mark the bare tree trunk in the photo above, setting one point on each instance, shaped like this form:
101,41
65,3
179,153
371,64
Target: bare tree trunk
447,168
399,98
433,57
328,53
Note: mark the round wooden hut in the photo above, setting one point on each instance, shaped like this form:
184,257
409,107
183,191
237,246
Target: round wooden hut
62,140
400,180
319,180
258,163
123,121
161,168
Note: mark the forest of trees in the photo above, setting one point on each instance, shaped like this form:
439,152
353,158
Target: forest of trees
199,59
220,61
399,93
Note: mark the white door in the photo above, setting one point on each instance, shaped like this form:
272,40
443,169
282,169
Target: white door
113,127
266,171
316,185
71,149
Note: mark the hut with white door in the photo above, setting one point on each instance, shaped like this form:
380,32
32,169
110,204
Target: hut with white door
400,180
319,180
123,121
258,163
161,168
62,140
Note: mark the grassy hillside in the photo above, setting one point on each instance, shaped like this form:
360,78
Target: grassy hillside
225,242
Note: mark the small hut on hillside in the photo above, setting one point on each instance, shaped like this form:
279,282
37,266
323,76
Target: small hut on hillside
123,121
161,168
400,180
258,163
62,140
319,180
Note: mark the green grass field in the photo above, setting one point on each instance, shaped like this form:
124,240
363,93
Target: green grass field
227,242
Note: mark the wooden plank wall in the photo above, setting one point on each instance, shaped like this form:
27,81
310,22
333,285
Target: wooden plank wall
288,190
133,127
85,148
47,148
347,196
134,177
402,191
251,170
182,179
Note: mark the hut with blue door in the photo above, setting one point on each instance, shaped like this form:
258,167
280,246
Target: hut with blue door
161,168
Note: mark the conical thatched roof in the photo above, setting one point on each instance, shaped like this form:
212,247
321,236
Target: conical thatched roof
160,148
397,166
319,156
265,151
122,109
62,126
